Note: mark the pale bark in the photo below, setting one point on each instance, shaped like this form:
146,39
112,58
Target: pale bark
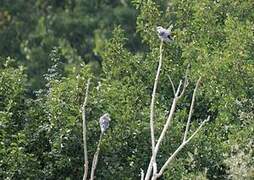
178,94
84,131
191,110
153,103
95,158
169,160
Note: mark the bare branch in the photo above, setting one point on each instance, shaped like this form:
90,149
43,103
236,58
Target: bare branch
153,102
185,84
172,84
200,126
191,109
142,174
166,126
169,119
178,89
170,159
84,130
95,158
180,148
178,93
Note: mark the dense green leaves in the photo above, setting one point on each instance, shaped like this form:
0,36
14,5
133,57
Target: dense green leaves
57,45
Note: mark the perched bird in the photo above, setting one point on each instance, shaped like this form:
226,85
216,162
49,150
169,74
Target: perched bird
164,34
104,122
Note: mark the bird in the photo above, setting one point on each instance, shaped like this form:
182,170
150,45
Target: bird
104,122
164,34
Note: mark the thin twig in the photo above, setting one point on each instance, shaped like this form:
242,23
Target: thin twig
185,84
191,109
172,84
200,126
180,148
84,130
95,158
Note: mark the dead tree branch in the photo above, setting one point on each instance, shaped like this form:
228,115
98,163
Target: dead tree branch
153,102
95,158
178,94
172,84
191,110
180,148
84,130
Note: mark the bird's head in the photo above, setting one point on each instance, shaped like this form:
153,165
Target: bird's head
159,28
107,116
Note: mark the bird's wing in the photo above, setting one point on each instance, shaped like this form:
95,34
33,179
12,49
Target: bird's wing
170,28
162,33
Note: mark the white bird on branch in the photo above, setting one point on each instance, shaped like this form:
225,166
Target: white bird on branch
165,34
104,122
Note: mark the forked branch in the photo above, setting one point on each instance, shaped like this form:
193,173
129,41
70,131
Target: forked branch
170,159
178,94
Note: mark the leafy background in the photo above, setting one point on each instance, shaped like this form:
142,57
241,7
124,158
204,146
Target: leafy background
50,48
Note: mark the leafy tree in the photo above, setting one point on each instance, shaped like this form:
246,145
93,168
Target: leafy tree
30,29
40,100
16,163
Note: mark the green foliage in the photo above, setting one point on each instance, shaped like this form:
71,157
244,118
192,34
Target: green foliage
54,45
16,163
30,29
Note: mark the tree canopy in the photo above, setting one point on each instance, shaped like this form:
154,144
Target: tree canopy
49,49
